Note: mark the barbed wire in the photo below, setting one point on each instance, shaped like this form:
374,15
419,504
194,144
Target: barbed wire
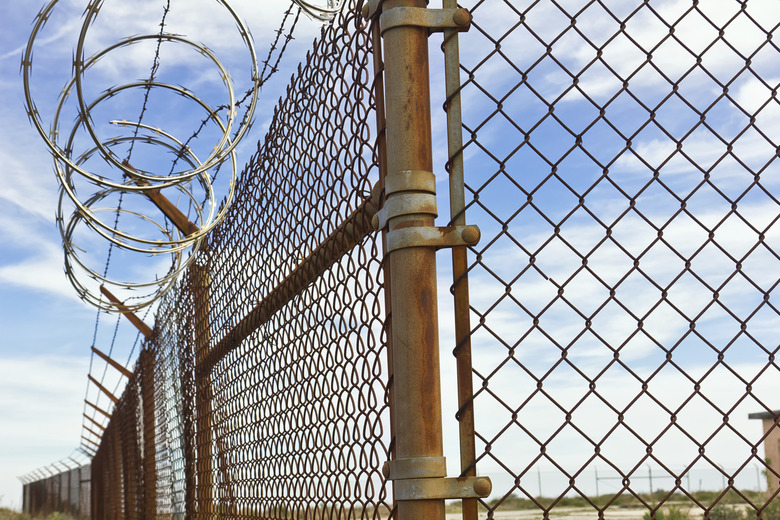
136,181
77,459
270,67
157,236
323,12
155,67
263,79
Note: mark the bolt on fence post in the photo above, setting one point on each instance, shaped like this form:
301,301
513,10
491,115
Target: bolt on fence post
416,387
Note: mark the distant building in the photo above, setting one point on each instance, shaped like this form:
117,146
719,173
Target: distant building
771,446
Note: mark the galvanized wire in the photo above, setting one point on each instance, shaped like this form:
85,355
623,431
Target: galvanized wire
270,67
325,11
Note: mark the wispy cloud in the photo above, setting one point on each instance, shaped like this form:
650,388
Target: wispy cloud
41,272
40,402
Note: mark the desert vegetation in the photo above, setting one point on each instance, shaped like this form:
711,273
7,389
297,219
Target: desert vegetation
8,514
660,505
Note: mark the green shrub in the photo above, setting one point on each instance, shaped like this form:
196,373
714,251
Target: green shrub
7,514
724,512
772,511
672,513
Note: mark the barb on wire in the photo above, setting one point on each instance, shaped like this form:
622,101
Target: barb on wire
152,74
325,12
263,79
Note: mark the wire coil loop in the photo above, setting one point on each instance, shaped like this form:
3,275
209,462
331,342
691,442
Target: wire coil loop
100,196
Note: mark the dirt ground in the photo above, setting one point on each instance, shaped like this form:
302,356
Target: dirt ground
568,513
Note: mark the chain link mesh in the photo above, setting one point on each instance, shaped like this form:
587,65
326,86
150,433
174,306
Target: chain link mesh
67,491
621,161
263,390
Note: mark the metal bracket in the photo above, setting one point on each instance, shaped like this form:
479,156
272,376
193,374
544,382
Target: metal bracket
442,488
410,180
432,19
370,8
423,478
432,237
413,192
405,203
419,467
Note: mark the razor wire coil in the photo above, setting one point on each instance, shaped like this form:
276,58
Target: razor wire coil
321,12
182,151
90,189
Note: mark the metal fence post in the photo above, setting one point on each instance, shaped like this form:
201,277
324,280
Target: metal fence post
203,407
130,450
186,376
146,367
117,470
416,388
418,470
460,284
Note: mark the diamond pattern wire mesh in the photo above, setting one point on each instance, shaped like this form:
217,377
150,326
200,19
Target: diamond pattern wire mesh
263,390
66,492
621,161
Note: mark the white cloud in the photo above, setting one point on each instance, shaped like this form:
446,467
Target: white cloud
37,261
43,273
537,353
41,398
28,181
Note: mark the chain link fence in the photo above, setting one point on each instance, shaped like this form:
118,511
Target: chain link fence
615,331
621,161
65,492
263,388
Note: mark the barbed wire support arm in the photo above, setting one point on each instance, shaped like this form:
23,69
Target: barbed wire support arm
121,369
135,320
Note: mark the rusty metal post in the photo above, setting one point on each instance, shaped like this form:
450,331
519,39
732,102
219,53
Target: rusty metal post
416,386
462,351
96,490
418,469
203,405
186,374
381,150
129,442
116,469
149,442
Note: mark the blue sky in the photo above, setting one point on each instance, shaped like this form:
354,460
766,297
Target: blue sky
537,290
